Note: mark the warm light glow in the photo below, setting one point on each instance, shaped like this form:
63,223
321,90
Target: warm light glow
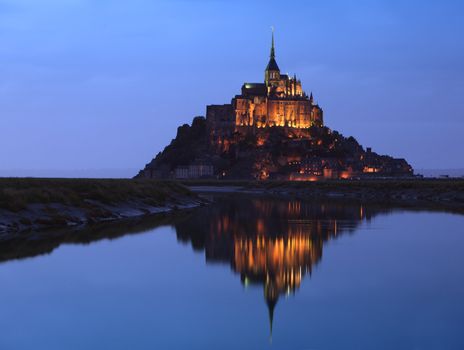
260,141
301,177
345,175
371,170
282,260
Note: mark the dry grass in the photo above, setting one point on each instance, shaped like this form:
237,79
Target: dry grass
17,193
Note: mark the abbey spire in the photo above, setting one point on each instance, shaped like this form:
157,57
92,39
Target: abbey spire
272,70
272,45
279,101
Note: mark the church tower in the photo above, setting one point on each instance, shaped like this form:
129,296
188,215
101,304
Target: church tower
272,73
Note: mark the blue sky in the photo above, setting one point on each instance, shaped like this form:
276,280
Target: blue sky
101,86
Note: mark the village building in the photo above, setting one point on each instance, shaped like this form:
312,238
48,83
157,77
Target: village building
198,169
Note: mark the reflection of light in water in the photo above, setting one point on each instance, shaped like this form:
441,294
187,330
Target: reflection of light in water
277,262
273,243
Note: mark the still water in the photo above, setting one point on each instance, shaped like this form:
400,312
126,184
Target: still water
245,273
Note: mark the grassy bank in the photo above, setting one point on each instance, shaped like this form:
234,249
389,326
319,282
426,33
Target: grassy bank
32,203
17,193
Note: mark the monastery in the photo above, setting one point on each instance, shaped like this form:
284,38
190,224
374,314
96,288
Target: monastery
271,130
278,101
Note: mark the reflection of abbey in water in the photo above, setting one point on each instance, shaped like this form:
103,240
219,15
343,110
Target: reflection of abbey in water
269,242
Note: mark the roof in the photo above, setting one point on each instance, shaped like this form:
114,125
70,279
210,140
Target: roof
272,65
256,89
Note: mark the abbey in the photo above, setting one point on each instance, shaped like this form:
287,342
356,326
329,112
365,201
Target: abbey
272,130
279,101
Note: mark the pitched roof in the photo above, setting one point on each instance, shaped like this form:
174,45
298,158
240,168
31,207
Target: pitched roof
272,65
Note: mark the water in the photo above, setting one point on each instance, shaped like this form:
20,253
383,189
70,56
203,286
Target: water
245,273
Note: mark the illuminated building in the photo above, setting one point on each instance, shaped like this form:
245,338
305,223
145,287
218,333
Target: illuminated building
279,101
271,131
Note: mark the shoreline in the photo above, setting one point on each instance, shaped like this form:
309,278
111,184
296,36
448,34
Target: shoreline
446,194
38,204
32,243
39,216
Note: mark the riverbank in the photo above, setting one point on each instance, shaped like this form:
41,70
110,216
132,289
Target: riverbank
446,194
34,204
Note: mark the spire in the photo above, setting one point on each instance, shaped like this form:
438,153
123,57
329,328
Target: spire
272,46
272,72
311,98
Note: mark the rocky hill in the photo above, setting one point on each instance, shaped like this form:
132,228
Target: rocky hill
270,153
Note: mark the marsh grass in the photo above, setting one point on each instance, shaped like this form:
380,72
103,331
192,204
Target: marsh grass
17,193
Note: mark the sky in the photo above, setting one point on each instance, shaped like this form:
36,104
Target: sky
99,87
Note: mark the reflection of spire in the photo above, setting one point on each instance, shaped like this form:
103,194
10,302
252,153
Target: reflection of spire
271,295
271,306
